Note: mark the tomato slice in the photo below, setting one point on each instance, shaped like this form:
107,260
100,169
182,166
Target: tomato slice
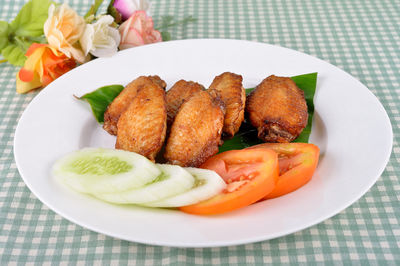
297,163
250,175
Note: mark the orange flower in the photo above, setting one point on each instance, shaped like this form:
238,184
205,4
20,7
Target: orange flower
43,65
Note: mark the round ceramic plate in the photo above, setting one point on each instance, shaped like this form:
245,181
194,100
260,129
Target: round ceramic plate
350,126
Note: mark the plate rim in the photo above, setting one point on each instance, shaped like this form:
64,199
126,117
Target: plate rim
220,243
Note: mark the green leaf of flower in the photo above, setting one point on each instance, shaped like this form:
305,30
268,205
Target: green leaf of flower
169,21
166,36
165,21
25,29
101,98
14,54
4,31
30,19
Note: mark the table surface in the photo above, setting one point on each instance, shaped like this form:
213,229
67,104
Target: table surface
361,37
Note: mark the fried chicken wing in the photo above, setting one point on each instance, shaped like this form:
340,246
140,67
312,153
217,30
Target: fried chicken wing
278,109
178,93
123,100
230,88
141,128
196,131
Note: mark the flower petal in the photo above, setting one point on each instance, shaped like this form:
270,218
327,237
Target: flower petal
138,30
23,87
63,28
86,39
25,74
110,46
43,65
100,39
33,47
132,39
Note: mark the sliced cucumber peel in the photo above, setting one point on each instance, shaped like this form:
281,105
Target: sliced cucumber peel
98,170
173,181
207,184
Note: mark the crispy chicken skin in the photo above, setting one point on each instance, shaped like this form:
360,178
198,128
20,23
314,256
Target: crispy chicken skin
196,131
178,93
278,109
230,88
142,126
123,100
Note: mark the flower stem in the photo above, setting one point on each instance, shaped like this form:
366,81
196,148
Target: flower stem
168,22
93,8
3,61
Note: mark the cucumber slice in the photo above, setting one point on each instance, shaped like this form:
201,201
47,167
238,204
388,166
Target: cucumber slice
98,170
208,184
173,180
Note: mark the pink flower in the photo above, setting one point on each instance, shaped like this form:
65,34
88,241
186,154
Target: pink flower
138,30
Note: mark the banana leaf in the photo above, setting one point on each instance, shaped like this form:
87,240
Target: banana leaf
247,134
100,99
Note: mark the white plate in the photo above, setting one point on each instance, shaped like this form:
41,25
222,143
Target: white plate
351,128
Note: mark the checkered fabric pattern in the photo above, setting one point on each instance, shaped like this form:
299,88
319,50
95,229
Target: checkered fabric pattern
360,36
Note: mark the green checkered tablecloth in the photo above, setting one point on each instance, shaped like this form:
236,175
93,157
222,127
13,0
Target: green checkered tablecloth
361,37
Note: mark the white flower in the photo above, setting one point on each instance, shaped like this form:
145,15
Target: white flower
100,39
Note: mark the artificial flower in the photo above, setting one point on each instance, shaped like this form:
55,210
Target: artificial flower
63,29
44,64
99,38
138,30
127,7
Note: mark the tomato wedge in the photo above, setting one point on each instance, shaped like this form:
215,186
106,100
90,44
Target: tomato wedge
250,175
297,163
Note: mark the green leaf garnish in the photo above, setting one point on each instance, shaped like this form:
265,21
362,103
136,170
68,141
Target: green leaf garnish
308,83
245,137
100,99
247,134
